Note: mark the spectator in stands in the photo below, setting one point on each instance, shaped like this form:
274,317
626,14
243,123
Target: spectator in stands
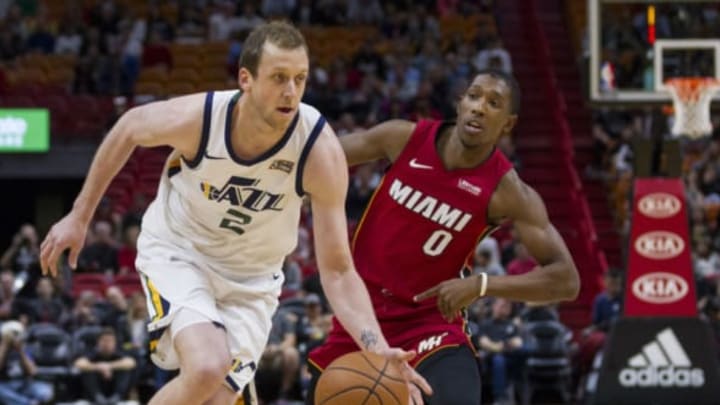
360,192
41,37
706,266
132,35
17,370
484,264
159,29
7,294
313,326
522,263
84,313
249,18
106,371
46,306
494,53
607,305
69,41
137,316
283,339
101,256
274,9
190,28
499,338
222,21
303,14
115,313
364,12
128,251
293,275
23,254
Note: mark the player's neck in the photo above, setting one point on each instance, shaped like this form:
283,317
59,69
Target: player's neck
455,155
251,135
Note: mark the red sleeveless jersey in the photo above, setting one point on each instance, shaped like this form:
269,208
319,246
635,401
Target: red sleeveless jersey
418,230
424,221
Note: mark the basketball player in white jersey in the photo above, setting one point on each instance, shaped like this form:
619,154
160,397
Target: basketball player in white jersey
226,214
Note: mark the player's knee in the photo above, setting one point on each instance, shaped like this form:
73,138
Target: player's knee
210,372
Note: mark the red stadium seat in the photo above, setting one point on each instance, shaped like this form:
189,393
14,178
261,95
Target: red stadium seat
128,283
88,282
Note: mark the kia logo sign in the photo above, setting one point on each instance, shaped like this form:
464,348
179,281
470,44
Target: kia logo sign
660,288
659,245
659,205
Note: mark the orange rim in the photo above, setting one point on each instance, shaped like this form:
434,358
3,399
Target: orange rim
689,88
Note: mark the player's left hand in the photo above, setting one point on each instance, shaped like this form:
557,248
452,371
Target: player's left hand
452,295
414,380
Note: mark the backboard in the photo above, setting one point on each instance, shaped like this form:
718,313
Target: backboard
636,45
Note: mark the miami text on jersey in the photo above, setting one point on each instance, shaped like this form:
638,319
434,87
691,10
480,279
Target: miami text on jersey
429,207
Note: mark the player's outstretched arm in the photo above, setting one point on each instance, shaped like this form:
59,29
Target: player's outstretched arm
175,122
555,279
326,180
385,140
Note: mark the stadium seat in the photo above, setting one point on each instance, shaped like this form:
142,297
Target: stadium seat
88,281
50,349
84,339
548,363
128,283
154,55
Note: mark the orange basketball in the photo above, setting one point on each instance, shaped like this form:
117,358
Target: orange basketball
361,378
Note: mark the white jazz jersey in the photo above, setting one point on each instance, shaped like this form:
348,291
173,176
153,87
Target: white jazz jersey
238,217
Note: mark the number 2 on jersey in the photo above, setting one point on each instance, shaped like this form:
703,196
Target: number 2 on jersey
437,242
234,223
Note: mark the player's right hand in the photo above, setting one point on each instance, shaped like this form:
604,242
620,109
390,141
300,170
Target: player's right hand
68,233
414,380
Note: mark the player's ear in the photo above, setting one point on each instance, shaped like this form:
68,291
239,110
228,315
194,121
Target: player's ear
509,124
245,79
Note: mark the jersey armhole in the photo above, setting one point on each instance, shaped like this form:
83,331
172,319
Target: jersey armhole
205,134
414,142
314,134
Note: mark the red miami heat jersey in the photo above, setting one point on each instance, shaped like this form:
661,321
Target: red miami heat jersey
424,221
418,230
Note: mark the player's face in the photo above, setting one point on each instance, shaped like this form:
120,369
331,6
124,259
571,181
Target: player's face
483,113
278,87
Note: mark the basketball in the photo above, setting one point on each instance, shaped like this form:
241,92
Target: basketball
361,378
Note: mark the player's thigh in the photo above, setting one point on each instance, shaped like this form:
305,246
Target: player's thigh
454,376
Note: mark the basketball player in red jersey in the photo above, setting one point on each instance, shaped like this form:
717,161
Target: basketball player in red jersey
447,187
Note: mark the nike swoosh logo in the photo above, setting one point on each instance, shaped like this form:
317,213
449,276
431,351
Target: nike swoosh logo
276,276
213,157
415,165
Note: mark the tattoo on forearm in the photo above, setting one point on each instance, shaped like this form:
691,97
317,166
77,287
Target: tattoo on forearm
368,338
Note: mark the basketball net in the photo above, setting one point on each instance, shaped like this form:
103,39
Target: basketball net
691,105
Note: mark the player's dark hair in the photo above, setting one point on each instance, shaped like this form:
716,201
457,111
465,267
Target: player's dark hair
279,33
510,82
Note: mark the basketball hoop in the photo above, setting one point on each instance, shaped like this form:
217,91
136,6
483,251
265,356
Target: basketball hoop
691,104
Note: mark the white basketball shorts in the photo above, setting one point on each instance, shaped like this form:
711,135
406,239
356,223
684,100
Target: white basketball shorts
176,281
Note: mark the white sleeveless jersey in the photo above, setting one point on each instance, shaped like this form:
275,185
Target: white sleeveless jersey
238,217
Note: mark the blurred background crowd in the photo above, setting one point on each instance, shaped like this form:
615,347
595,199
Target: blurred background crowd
89,61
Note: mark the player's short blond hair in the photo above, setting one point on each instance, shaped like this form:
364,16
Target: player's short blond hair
279,33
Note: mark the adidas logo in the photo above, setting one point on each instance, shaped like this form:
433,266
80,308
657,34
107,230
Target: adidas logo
662,363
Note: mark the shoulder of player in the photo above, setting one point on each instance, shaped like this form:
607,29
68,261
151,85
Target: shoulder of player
512,198
175,111
324,161
160,122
